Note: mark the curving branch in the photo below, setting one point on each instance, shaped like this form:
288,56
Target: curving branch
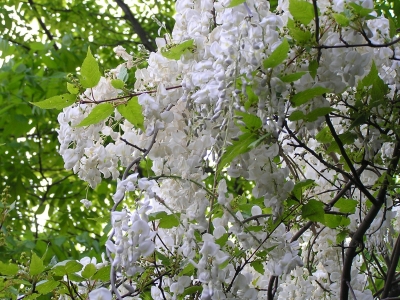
41,23
392,269
357,238
136,27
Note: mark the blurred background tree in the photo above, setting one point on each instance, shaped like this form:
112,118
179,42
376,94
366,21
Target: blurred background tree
41,41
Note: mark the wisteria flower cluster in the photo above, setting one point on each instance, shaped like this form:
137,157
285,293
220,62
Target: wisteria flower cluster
271,145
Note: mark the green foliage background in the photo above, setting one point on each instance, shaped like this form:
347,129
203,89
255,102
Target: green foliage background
41,42
35,58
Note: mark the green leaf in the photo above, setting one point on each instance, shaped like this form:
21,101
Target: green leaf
236,3
258,266
187,270
359,120
341,236
292,77
169,221
301,35
132,111
76,277
252,122
88,271
192,290
118,83
99,113
36,267
57,102
318,112
176,51
324,136
266,137
157,215
46,286
102,274
301,186
307,95
312,68
238,147
392,27
301,11
9,269
332,221
360,10
72,88
222,240
341,19
164,259
66,267
297,115
224,264
346,205
347,138
90,73
277,56
370,78
314,211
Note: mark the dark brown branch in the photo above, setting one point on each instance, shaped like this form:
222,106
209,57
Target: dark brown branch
128,96
137,28
41,23
368,44
392,270
357,238
356,178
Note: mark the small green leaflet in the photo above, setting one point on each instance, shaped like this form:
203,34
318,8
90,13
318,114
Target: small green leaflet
252,122
312,116
341,19
102,274
292,77
346,205
313,67
191,290
169,221
301,186
166,220
176,51
301,11
307,95
277,56
88,271
324,135
66,267
72,88
36,267
334,221
258,266
236,3
90,73
347,138
57,102
222,240
360,10
46,286
238,147
300,35
8,269
314,211
99,113
132,111
117,83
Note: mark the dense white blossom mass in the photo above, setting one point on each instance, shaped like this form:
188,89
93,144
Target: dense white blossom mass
221,85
